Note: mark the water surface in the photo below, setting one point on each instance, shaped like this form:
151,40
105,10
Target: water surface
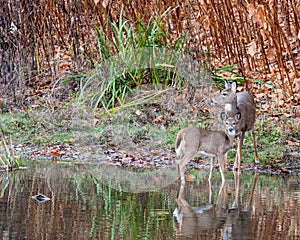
86,204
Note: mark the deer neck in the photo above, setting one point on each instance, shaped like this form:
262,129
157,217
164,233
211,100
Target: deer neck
232,106
228,107
230,138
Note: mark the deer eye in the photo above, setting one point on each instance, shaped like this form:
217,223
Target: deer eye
224,94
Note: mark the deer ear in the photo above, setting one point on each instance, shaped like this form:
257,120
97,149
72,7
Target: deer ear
223,116
227,84
237,116
234,86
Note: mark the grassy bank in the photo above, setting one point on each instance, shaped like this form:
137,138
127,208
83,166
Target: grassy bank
143,130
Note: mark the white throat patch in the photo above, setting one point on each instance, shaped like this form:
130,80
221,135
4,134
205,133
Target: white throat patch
228,107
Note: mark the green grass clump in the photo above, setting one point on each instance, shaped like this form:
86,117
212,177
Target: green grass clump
134,54
8,157
230,73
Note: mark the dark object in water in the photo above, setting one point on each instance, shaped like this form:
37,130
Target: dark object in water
41,198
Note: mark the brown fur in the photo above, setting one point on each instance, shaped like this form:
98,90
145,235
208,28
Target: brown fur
192,139
243,103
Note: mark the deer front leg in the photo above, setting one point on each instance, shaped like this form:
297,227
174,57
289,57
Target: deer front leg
237,163
237,189
225,160
254,145
211,169
221,160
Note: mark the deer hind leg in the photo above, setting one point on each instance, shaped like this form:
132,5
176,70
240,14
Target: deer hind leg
181,169
255,148
181,166
180,194
237,163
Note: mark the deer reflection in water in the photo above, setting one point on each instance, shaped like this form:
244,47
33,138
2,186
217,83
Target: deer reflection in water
215,220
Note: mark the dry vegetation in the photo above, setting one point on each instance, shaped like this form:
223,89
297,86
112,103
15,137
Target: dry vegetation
42,41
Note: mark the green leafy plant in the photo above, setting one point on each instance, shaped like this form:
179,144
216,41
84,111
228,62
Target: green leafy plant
129,57
219,75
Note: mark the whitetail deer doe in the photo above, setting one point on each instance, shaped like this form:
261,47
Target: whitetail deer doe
192,139
244,104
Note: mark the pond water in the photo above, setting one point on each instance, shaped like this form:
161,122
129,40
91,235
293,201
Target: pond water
86,204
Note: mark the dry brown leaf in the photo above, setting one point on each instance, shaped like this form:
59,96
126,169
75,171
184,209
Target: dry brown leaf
271,53
204,20
279,93
265,34
158,120
291,143
297,85
105,3
251,9
260,95
251,49
203,4
281,103
259,16
189,178
33,106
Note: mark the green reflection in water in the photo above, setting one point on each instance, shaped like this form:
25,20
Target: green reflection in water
85,206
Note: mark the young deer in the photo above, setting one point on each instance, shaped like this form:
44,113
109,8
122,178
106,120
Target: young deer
192,139
244,104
